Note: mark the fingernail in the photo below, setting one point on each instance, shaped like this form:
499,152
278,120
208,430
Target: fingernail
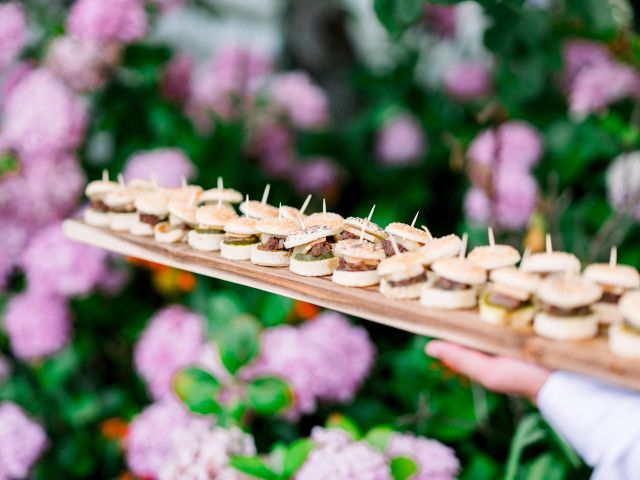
433,350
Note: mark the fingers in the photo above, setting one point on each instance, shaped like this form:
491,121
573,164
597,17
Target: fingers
476,365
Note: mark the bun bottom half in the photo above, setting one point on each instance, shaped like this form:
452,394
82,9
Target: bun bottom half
409,292
607,313
314,268
366,278
162,233
624,343
278,258
141,229
496,315
96,218
121,222
565,328
235,252
205,242
448,299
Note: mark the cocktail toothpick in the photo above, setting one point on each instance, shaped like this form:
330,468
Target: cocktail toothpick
280,211
183,182
613,257
324,206
220,185
192,199
362,233
415,218
525,257
105,175
246,205
492,240
424,227
121,180
463,247
220,201
548,243
394,244
305,204
300,220
265,194
371,212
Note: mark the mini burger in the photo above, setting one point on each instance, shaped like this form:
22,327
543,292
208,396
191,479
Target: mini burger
312,254
354,226
152,209
624,336
402,276
566,302
492,257
615,281
455,284
507,300
182,218
358,263
258,210
98,213
408,238
122,210
271,251
226,196
441,247
209,229
240,235
549,263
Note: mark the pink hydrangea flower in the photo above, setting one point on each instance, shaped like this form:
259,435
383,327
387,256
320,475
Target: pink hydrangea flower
516,195
12,241
37,324
13,32
172,340
273,146
337,457
579,54
202,452
401,141
468,80
120,21
304,102
149,440
167,166
22,441
176,78
317,175
82,65
42,116
12,77
477,205
440,19
435,461
54,263
482,150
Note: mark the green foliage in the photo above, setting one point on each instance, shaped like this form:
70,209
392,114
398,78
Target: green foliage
403,468
269,395
198,389
238,342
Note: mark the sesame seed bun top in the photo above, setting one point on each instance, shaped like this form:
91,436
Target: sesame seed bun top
552,262
183,209
308,235
359,249
407,263
623,276
568,290
99,188
258,210
490,257
214,216
403,230
277,226
441,247
357,223
224,195
152,203
517,278
119,197
459,270
241,226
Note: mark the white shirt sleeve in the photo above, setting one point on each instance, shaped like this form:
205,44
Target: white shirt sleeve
601,422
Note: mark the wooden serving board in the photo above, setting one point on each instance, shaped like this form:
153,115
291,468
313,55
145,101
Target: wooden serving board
590,357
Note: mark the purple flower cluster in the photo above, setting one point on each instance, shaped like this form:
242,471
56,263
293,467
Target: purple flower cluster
435,461
304,103
468,80
22,441
119,21
401,141
167,166
13,32
504,192
594,79
312,359
171,341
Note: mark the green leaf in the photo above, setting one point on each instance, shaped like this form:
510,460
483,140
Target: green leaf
269,395
274,310
296,455
253,466
378,437
403,468
529,431
239,342
567,450
198,389
338,420
546,467
396,15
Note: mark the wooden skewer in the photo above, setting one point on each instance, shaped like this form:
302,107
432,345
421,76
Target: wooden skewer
371,212
492,240
424,227
613,257
220,184
265,195
324,206
395,245
362,233
192,199
525,257
121,180
463,247
105,175
220,201
183,182
549,245
280,211
246,205
305,204
415,218
300,220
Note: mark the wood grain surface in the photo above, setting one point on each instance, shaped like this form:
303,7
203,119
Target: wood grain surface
590,357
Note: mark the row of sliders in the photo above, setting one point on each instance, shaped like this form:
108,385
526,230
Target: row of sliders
544,291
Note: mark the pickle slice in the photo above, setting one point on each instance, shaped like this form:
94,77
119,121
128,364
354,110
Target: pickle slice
303,257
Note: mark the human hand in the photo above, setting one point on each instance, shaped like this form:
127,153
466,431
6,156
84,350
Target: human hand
499,374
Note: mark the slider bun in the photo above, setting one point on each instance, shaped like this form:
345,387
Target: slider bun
402,230
441,247
163,233
119,197
226,195
317,268
279,258
241,226
214,216
496,315
362,234
490,257
408,264
308,235
552,262
366,278
96,218
141,185
408,292
448,299
516,278
630,307
141,229
185,194
565,328
292,213
277,226
369,227
258,210
183,210
121,222
459,270
99,188
621,276
624,343
235,252
205,242
568,291
331,219
152,203
360,249
607,313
